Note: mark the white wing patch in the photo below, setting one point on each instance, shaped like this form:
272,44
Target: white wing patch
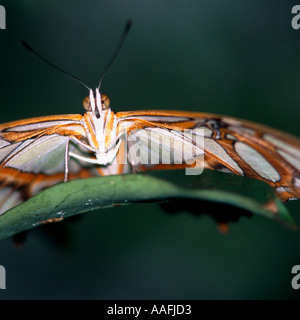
283,145
230,136
3,143
7,150
242,130
9,198
39,125
160,146
287,151
289,158
43,155
207,132
256,161
214,148
169,119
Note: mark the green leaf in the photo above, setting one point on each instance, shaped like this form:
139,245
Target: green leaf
79,196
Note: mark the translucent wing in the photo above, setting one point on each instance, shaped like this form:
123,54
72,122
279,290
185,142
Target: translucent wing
32,156
33,152
230,145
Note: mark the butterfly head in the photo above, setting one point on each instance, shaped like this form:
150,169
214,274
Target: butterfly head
96,103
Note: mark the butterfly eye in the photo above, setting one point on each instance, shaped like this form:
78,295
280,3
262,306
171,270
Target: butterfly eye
105,102
86,104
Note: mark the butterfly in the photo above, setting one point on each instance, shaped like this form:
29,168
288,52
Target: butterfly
40,152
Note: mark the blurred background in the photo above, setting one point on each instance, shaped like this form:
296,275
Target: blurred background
232,58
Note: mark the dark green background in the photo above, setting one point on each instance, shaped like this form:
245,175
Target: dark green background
239,58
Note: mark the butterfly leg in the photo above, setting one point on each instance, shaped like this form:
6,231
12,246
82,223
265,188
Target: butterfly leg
120,136
68,154
82,158
104,158
86,146
67,160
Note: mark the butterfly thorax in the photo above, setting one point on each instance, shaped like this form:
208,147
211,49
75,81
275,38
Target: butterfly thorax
101,125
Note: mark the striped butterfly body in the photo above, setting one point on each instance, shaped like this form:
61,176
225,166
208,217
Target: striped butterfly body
40,152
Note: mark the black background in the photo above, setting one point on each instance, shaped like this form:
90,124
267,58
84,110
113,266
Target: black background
235,58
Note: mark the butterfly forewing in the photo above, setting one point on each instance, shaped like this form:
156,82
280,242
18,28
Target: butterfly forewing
32,156
233,145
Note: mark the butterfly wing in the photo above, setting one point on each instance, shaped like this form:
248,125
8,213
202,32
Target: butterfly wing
32,152
229,145
32,156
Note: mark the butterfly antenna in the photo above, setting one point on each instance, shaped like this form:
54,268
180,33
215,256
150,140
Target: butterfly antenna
115,54
28,47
